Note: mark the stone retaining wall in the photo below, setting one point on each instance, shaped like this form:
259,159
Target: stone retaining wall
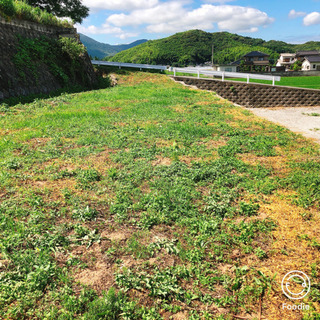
10,82
256,95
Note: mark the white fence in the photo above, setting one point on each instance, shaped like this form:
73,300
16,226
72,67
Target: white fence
197,71
128,65
224,75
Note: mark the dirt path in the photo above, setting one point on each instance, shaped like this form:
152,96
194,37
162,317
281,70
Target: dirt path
304,120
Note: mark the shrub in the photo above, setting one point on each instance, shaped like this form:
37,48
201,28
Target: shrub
72,47
7,7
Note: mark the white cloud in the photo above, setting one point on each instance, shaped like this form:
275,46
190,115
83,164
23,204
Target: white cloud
163,12
296,14
172,17
311,19
127,35
218,1
119,5
104,29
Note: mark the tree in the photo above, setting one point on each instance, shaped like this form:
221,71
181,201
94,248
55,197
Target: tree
73,9
296,66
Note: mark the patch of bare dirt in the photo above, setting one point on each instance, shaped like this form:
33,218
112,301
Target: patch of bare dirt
100,277
52,188
180,316
101,161
115,236
160,161
38,142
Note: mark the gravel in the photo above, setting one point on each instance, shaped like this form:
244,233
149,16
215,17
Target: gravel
298,119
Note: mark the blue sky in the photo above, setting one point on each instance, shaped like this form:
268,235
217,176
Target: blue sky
124,21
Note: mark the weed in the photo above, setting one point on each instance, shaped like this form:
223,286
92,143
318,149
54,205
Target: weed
312,114
84,214
249,209
261,254
168,245
85,236
86,178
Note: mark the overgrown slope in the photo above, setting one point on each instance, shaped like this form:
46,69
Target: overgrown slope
195,46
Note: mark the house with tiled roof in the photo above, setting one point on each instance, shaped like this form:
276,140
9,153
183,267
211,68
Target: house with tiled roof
311,63
256,58
300,55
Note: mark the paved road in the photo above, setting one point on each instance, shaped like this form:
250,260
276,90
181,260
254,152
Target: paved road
296,119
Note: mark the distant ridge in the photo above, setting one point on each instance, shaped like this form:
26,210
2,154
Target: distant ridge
101,50
195,47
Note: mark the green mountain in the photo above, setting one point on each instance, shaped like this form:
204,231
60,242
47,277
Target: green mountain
101,50
195,46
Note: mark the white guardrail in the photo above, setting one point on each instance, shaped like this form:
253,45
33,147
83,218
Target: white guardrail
224,75
128,65
197,71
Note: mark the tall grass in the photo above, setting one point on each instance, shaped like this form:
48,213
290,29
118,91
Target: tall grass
21,10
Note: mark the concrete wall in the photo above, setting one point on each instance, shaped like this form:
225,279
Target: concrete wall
10,82
257,95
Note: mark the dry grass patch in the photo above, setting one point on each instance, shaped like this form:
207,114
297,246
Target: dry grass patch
111,109
214,144
189,159
161,161
278,164
291,250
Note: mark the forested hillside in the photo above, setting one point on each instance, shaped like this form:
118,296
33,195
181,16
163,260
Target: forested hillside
101,50
195,46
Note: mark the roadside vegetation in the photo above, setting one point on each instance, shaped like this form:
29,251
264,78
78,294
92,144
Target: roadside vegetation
151,200
21,10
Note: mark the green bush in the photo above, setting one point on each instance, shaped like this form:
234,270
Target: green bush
7,7
72,47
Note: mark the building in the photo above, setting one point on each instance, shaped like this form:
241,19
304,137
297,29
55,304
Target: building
311,63
286,60
256,60
300,55
225,68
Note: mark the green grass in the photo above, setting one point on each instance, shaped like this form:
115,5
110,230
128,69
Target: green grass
300,82
21,10
142,201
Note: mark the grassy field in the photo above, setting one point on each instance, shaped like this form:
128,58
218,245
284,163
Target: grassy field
151,200
300,82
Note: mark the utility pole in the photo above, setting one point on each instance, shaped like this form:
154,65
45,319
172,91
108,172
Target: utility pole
212,56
